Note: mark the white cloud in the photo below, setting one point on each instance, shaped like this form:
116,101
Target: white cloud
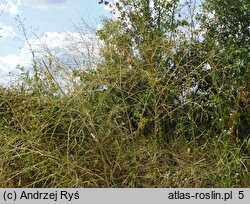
9,63
65,43
70,48
13,7
43,4
6,31
10,7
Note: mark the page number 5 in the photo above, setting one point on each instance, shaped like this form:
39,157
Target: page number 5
241,195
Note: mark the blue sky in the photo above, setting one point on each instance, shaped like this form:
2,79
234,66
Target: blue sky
54,24
53,17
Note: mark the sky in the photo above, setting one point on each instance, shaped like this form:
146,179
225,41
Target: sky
44,21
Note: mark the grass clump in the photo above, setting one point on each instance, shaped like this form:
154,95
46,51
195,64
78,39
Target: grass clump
158,109
113,138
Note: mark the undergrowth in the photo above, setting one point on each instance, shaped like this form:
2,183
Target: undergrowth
156,110
110,138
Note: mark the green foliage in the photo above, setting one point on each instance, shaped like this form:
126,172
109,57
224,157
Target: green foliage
170,71
160,109
228,35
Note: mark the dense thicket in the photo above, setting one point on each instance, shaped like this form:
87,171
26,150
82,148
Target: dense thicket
166,104
187,74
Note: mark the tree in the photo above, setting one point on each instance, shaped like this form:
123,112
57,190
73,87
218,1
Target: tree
181,81
144,63
228,29
228,35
